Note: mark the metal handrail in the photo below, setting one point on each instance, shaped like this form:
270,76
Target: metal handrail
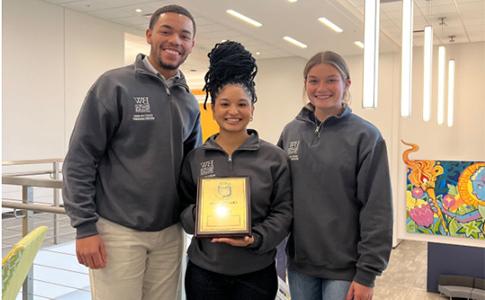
27,204
33,207
31,161
44,183
43,172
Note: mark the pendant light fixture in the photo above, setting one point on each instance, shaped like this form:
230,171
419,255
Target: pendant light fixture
406,57
427,68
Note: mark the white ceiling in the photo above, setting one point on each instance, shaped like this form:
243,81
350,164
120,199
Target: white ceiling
465,19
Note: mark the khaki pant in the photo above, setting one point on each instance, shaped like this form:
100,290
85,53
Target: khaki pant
141,265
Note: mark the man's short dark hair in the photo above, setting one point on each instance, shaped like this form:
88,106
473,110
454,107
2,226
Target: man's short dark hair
172,8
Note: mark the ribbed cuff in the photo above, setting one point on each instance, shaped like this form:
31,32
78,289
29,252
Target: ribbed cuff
365,278
187,218
257,241
85,230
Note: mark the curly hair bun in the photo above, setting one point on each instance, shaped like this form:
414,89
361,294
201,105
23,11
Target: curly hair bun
230,63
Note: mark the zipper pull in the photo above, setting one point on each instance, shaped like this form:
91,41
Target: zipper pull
229,158
317,130
164,84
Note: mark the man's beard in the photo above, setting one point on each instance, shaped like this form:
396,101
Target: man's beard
171,67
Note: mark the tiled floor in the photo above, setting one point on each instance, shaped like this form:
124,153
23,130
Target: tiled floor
405,276
57,275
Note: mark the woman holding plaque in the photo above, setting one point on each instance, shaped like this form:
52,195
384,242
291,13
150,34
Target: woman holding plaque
239,265
342,228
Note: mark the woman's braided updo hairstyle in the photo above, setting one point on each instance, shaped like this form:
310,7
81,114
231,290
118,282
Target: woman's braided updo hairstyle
230,63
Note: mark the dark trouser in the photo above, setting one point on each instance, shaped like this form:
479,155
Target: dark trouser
201,284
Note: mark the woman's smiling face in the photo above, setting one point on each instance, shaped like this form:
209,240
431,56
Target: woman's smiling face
325,87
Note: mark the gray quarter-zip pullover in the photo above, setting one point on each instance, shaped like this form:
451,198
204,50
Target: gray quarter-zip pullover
126,151
271,204
342,227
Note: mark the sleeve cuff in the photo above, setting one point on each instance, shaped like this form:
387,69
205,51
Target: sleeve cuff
86,230
257,241
365,278
187,218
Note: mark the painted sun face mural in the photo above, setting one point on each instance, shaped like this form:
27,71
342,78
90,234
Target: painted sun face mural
445,197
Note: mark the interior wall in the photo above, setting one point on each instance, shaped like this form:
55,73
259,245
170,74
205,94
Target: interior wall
33,80
464,141
279,87
49,63
87,57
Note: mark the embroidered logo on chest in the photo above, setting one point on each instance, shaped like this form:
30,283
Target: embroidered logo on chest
142,109
207,168
293,150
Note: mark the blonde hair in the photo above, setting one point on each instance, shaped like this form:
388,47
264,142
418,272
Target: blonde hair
333,59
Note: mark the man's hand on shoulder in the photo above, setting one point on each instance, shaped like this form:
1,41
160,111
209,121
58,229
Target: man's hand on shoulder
90,252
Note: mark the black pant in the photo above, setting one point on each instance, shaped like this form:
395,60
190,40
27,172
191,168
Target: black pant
201,284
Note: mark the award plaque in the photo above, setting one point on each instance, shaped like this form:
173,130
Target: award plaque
223,207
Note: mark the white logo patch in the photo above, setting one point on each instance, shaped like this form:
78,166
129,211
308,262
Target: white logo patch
207,168
142,109
293,150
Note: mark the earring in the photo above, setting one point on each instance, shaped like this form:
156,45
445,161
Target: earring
251,118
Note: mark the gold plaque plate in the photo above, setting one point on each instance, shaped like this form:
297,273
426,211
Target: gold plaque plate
223,207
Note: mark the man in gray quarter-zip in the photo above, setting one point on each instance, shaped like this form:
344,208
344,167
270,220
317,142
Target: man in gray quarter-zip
121,171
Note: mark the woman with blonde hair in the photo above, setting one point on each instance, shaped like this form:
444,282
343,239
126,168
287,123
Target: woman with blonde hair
342,228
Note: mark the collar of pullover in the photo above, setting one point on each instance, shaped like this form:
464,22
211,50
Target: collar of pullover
307,114
142,69
251,144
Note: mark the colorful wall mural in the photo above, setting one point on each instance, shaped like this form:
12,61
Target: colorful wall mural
445,198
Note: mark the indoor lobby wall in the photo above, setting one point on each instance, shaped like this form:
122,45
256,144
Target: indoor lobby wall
465,140
33,80
87,57
51,56
279,87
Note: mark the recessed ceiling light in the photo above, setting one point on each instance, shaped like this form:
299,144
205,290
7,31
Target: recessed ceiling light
138,10
330,24
292,1
244,18
359,44
294,42
258,53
